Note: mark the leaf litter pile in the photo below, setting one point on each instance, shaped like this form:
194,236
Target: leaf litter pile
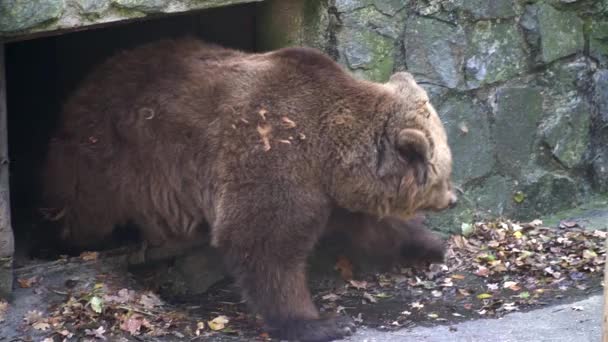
499,267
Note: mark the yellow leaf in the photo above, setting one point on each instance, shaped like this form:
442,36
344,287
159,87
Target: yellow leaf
218,323
518,234
484,296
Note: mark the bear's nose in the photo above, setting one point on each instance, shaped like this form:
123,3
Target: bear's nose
453,200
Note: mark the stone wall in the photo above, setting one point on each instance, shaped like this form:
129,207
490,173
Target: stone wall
26,18
522,87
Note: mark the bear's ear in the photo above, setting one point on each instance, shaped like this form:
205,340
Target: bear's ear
415,149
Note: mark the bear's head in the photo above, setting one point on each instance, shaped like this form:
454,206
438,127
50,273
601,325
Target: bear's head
419,152
401,162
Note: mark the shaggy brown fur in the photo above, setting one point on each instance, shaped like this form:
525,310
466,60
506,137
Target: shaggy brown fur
176,136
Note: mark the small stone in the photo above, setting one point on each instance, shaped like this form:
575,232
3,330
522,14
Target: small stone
435,51
19,15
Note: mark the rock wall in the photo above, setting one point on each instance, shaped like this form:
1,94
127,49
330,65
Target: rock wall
522,87
26,18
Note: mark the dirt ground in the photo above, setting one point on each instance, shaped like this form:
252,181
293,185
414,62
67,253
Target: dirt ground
498,268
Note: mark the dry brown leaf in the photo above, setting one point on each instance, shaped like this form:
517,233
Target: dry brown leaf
89,256
97,333
41,326
132,324
26,283
359,285
345,267
150,300
3,310
369,297
32,316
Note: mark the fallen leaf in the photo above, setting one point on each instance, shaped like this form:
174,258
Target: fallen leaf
25,283
332,297
524,295
200,326
492,286
466,229
89,256
588,254
519,197
510,307
345,267
457,276
482,271
369,297
97,333
218,323
484,296
96,304
41,326
382,295
3,310
132,324
32,316
150,300
359,285
417,305
536,223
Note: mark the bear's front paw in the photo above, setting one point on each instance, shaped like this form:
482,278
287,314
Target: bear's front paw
326,329
424,252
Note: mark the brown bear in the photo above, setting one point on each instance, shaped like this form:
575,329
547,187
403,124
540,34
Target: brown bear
180,136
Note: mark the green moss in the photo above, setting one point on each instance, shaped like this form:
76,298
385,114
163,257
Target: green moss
594,211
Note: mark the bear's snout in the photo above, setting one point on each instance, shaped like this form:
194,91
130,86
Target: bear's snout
453,201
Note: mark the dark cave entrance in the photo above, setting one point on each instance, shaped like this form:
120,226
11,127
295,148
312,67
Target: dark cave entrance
42,72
